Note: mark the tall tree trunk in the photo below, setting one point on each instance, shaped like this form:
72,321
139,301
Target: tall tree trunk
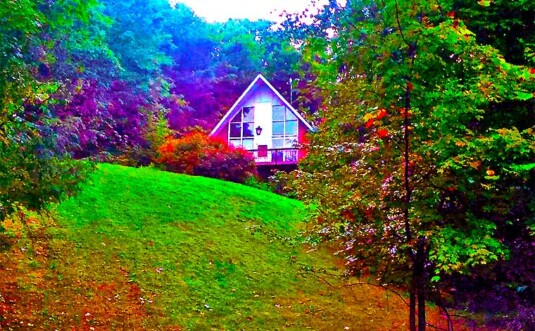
421,308
412,305
421,282
408,231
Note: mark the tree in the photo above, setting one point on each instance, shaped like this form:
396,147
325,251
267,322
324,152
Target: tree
109,92
214,63
34,169
505,25
422,174
77,43
138,37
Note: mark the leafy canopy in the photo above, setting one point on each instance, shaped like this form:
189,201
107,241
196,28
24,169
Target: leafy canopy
422,156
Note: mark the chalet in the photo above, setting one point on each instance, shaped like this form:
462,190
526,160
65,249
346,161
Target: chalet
264,123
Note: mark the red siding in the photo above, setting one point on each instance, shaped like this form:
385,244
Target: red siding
302,137
223,133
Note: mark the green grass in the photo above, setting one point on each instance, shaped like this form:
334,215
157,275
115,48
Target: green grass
207,253
142,249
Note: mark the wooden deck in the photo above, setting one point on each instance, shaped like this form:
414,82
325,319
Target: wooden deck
276,156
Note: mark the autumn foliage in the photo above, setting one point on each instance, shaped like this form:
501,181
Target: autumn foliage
199,154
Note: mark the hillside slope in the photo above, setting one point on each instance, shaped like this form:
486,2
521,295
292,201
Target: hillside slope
141,249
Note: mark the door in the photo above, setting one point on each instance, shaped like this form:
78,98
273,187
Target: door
262,118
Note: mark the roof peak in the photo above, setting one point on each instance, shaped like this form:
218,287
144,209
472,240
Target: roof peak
232,109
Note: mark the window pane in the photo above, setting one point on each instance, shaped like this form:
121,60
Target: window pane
291,128
237,118
248,129
235,143
248,114
278,143
235,129
248,143
290,115
278,128
290,142
278,113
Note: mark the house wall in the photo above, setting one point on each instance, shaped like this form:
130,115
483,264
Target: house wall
259,97
260,94
303,130
223,133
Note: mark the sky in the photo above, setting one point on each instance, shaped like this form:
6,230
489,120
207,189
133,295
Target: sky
222,10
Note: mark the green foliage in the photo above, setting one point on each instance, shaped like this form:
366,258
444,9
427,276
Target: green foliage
257,182
137,36
77,41
156,131
35,170
414,168
505,25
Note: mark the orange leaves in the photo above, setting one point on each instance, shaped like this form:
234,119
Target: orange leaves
404,112
381,113
199,154
382,133
370,118
168,148
476,165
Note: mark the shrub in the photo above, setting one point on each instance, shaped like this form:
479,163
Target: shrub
199,154
155,132
259,183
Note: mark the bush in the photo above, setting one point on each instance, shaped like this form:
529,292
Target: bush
199,154
257,182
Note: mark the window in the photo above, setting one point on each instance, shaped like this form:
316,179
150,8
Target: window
285,127
241,128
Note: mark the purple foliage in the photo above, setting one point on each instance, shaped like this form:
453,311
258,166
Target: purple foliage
180,115
98,121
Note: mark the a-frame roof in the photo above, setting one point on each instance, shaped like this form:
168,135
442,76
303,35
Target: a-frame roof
234,109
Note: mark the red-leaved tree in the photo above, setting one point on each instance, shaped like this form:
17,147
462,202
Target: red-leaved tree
199,154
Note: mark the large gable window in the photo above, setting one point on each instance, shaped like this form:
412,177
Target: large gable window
285,127
241,128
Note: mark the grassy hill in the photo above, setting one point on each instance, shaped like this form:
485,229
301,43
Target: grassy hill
141,249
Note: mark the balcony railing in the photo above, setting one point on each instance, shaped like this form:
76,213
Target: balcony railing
275,156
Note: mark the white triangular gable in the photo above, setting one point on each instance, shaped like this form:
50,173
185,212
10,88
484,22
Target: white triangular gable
235,107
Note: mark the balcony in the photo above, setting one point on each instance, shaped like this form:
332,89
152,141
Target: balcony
275,156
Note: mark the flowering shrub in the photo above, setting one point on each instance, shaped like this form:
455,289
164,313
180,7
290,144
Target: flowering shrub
199,154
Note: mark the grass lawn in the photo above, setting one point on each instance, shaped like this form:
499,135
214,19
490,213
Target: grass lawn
141,249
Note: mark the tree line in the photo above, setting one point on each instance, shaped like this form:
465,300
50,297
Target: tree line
422,165
106,79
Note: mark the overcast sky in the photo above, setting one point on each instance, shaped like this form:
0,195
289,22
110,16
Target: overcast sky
222,10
